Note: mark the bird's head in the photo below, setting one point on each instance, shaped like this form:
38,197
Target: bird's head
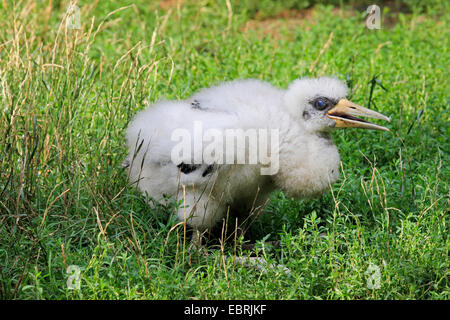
319,104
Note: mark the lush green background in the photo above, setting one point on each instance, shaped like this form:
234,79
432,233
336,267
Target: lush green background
66,97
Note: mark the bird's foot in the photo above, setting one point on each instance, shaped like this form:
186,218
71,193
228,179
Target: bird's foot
260,264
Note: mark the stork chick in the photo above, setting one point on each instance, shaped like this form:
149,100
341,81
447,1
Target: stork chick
303,116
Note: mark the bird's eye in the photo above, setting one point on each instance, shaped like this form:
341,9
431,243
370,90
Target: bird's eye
320,104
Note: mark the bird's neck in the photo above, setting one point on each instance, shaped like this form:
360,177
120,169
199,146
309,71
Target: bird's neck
309,163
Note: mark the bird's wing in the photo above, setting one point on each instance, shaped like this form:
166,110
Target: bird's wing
165,141
155,135
236,96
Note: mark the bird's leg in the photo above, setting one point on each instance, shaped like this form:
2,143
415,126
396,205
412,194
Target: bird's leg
196,248
196,240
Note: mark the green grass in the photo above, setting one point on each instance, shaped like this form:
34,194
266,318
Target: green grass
66,99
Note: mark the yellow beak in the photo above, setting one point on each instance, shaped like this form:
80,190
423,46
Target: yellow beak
345,114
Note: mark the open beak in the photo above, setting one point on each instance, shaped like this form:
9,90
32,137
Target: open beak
346,114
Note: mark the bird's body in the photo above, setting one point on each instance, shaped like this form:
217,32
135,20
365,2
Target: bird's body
305,161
